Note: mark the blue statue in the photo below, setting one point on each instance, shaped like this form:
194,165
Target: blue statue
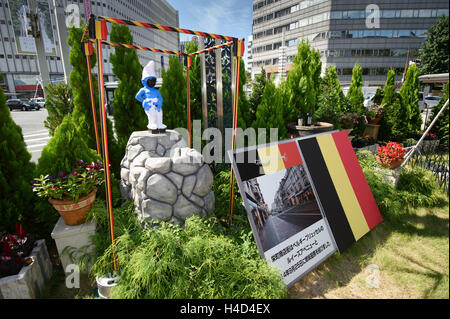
151,99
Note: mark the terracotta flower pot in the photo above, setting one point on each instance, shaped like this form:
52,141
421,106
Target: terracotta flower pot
74,213
392,165
375,120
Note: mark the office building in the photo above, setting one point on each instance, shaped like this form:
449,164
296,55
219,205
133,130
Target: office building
344,32
19,66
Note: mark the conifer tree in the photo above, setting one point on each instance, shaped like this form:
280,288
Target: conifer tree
355,96
59,103
410,101
257,91
270,112
331,102
173,92
391,125
65,148
82,112
434,53
378,98
129,116
16,172
303,82
244,114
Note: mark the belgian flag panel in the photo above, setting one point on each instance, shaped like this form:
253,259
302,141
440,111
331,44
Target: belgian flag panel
326,193
342,189
247,163
267,159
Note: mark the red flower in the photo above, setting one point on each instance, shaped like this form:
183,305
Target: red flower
53,188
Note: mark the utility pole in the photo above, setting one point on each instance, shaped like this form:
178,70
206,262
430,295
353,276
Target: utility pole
62,36
35,31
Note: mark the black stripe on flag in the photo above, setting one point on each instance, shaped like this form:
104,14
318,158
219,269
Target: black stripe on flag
327,194
248,164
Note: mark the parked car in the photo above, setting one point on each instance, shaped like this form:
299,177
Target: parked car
368,100
39,100
431,101
31,103
16,104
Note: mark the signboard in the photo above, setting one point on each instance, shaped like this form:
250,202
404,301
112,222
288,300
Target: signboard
305,199
25,43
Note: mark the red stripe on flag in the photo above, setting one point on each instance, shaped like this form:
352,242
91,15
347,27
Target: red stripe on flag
357,179
290,154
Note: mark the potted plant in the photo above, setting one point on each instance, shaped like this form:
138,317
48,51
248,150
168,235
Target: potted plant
364,142
72,194
349,120
391,156
15,250
25,265
374,114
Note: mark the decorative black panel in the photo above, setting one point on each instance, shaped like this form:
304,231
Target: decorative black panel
210,67
226,87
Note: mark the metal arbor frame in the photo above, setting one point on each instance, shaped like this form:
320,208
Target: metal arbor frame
97,32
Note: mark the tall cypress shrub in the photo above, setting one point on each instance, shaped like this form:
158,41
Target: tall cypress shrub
82,112
410,101
16,172
391,125
303,82
244,119
270,112
331,102
129,116
257,92
59,103
173,92
355,96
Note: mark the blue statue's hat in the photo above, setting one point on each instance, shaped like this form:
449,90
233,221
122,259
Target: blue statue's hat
148,72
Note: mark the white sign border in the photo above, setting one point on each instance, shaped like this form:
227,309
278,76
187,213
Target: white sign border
231,152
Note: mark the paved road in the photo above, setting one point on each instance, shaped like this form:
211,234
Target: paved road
291,221
34,133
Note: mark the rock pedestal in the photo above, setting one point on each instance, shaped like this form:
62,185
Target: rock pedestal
167,180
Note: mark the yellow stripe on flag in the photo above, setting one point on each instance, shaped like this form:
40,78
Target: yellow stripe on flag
343,187
271,160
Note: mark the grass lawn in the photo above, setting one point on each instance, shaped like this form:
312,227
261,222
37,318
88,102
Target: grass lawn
412,257
406,256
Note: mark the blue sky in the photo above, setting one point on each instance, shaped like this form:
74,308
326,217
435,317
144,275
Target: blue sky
226,17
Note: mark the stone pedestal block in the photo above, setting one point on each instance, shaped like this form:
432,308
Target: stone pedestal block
74,237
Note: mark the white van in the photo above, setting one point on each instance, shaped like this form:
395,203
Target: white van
39,100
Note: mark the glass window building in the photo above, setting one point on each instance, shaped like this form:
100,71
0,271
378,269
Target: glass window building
344,32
